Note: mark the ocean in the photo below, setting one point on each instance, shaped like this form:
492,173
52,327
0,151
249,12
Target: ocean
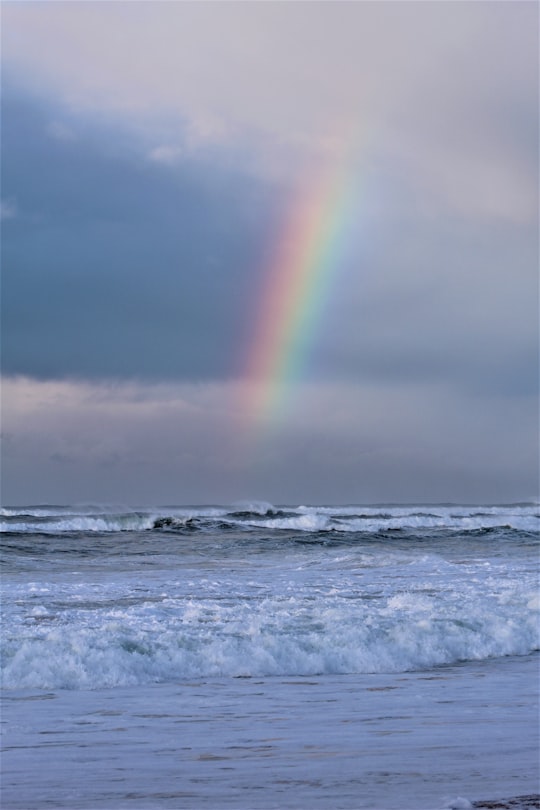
257,656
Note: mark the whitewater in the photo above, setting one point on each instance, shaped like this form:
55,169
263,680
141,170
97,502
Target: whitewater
261,656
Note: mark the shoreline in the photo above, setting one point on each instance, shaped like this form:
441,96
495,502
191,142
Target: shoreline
529,802
456,737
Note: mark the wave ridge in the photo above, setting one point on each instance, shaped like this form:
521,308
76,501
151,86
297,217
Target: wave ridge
45,520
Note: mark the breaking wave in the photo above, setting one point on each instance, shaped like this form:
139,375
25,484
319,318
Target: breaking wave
58,520
165,639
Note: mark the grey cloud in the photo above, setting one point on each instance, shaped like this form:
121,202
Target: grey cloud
298,71
150,154
118,268
428,296
342,443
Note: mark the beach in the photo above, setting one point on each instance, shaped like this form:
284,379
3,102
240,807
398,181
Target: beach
417,741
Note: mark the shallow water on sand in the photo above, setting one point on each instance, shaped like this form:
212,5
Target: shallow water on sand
407,741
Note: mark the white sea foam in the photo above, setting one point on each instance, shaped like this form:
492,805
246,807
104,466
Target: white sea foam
304,523
155,601
81,640
82,524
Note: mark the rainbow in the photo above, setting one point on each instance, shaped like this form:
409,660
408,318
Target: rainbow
302,266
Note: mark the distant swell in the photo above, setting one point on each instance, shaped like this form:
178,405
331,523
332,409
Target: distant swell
51,520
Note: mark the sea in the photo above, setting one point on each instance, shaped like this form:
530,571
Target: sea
258,656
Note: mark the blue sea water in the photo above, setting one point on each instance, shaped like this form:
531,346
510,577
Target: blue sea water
255,656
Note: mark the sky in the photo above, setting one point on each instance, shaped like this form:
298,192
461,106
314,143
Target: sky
273,251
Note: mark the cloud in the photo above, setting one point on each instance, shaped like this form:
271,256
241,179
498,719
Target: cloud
184,443
8,209
154,270
168,155
151,158
434,85
133,271
60,131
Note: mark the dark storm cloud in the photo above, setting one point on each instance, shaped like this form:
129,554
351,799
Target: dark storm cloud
114,266
152,153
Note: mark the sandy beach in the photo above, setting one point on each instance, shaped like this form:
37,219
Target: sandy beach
458,738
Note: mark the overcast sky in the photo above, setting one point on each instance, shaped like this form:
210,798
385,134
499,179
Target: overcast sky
153,157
